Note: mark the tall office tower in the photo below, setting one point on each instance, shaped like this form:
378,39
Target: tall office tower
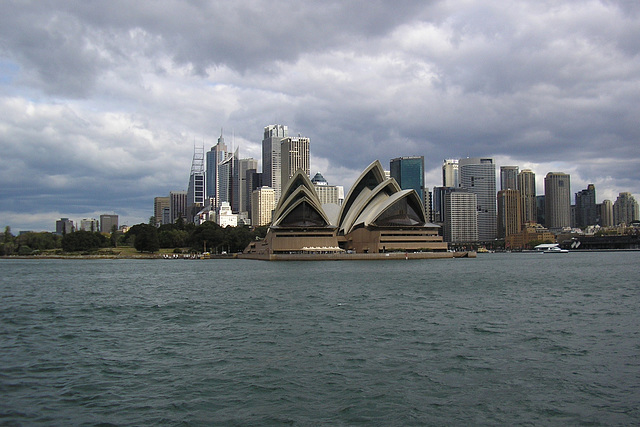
478,175
586,212
427,204
508,177
625,209
108,223
177,205
159,204
294,155
196,187
450,173
409,173
64,226
228,181
605,213
244,197
263,202
214,158
90,224
540,208
509,213
253,181
271,157
557,200
527,186
460,216
327,193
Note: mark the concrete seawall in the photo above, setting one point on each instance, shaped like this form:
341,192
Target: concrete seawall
358,257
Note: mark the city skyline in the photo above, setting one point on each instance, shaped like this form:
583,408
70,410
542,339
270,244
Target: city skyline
100,110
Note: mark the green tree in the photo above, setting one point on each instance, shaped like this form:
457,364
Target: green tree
147,240
82,241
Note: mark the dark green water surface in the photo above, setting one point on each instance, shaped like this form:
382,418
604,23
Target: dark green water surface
502,339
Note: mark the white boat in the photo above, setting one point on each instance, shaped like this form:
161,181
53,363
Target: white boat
555,250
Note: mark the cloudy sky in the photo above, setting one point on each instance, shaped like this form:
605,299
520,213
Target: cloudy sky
101,103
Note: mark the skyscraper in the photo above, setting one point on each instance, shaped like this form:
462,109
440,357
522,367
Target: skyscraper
478,175
64,226
244,196
450,173
228,181
178,205
586,212
294,155
108,223
159,205
271,157
333,194
214,158
409,173
460,216
509,213
605,213
557,200
196,187
508,177
625,209
263,202
527,186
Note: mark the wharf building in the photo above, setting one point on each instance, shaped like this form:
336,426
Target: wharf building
377,216
557,200
478,176
531,234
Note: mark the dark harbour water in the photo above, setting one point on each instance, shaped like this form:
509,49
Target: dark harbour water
502,339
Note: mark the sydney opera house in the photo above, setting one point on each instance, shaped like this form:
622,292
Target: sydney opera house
376,217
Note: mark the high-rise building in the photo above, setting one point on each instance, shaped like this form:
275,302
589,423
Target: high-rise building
509,213
509,177
427,204
586,212
478,175
244,196
327,193
253,181
605,213
263,202
557,200
178,205
625,209
108,223
64,226
527,186
228,182
540,210
460,216
196,187
159,205
271,157
214,158
294,155
90,224
409,173
450,176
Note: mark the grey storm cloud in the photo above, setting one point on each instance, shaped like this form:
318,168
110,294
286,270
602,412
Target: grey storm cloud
101,103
